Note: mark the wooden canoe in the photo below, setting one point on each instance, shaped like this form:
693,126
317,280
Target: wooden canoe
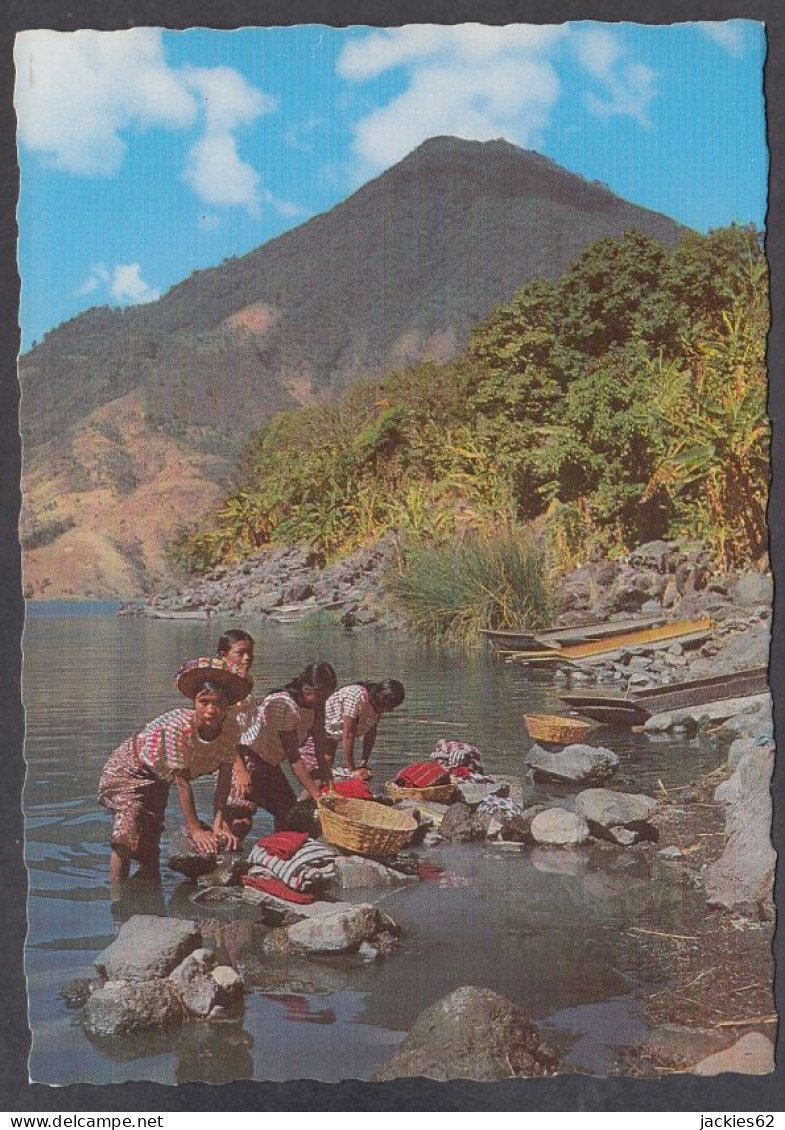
638,705
550,638
644,639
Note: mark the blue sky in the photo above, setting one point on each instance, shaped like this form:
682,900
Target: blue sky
148,154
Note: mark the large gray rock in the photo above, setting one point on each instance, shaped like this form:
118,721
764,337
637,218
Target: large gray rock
559,827
660,555
611,815
120,1008
575,763
474,793
229,983
753,1054
472,1033
227,872
339,932
184,857
458,824
355,872
194,983
742,878
753,589
148,946
518,828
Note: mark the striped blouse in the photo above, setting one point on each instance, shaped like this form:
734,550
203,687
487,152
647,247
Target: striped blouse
275,715
171,742
352,701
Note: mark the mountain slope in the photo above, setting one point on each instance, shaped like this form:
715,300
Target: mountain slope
399,272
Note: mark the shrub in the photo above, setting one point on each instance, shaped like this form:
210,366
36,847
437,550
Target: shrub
451,591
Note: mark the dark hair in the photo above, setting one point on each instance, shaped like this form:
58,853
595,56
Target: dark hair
208,684
387,693
319,676
230,638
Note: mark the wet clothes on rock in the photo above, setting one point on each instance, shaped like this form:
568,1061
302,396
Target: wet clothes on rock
134,783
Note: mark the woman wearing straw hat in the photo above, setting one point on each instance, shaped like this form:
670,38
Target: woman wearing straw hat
176,747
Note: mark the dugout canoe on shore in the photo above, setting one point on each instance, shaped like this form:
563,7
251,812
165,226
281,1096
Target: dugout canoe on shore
549,638
636,706
686,632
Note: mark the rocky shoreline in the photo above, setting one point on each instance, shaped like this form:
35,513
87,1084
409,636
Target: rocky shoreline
657,579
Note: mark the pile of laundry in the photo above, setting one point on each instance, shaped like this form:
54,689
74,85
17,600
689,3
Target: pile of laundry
291,866
462,761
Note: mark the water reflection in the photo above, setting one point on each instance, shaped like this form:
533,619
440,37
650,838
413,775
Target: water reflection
538,926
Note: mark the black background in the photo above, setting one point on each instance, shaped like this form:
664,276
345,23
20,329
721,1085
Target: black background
726,1093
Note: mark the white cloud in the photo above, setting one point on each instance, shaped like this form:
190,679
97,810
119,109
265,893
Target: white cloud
731,35
128,286
394,47
469,80
217,174
78,94
124,284
98,274
624,87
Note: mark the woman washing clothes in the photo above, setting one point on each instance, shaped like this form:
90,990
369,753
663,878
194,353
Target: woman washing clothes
354,712
174,749
279,726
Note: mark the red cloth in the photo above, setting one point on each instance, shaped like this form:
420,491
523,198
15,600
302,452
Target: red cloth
283,844
354,787
462,773
276,887
422,775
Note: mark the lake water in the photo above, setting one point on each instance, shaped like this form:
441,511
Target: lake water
541,928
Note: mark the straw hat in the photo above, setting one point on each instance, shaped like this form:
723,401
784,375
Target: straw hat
195,672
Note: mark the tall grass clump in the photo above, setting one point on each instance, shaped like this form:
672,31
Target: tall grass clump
450,592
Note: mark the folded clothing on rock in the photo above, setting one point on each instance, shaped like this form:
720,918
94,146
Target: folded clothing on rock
311,866
499,806
454,754
283,844
422,775
275,887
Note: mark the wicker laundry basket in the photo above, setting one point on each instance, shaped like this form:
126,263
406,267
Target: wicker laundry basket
558,731
442,794
365,827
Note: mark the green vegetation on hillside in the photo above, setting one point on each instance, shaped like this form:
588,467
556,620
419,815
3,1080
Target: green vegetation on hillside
625,400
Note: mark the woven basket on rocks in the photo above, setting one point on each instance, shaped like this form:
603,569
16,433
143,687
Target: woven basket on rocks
558,731
365,827
442,794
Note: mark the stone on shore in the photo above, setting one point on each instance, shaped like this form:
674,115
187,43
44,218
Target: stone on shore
340,932
230,985
517,829
227,872
194,983
184,857
120,1008
475,792
575,763
472,1033
742,878
148,946
753,1054
559,827
355,872
612,815
459,825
